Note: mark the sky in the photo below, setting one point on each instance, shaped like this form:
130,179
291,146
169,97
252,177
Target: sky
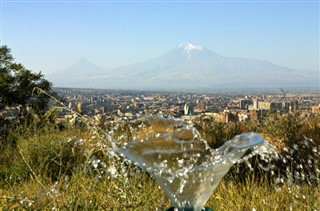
49,35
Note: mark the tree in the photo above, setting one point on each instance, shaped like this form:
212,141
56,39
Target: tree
17,85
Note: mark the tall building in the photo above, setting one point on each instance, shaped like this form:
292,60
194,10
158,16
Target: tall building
201,105
256,104
315,109
244,104
294,105
264,105
188,109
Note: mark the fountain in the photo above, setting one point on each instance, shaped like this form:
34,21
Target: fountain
185,167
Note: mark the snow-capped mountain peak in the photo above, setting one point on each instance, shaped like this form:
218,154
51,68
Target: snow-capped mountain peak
188,47
185,67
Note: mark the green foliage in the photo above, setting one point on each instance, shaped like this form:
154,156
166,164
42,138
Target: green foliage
18,88
216,133
17,84
46,151
284,128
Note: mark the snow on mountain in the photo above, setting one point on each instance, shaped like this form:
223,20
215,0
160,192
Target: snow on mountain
193,67
188,47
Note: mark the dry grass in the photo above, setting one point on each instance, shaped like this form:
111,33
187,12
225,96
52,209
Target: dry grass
70,170
141,193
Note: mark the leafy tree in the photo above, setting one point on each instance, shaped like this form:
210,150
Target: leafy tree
17,85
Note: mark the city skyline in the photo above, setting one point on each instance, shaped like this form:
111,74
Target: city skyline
50,35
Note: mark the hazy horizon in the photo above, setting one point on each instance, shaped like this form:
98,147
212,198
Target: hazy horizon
46,35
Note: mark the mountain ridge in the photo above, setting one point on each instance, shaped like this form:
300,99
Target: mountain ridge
190,66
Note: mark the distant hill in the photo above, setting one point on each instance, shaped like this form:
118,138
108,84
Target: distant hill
82,73
190,67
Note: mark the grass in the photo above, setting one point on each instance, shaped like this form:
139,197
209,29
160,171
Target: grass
253,195
141,193
51,169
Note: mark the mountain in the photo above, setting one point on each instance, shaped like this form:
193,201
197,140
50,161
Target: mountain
193,68
82,73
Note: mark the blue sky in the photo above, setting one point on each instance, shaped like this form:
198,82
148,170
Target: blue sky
49,35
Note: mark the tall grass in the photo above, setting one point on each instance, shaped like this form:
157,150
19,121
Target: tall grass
46,168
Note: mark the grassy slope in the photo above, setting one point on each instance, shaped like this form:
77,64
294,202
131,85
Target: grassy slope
48,168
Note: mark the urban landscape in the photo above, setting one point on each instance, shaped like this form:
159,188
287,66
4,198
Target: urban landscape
159,105
106,105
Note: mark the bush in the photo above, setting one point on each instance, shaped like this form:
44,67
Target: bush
297,142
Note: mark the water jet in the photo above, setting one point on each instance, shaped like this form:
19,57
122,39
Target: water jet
182,163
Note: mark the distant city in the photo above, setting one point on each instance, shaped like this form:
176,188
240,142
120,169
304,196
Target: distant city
110,105
106,105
